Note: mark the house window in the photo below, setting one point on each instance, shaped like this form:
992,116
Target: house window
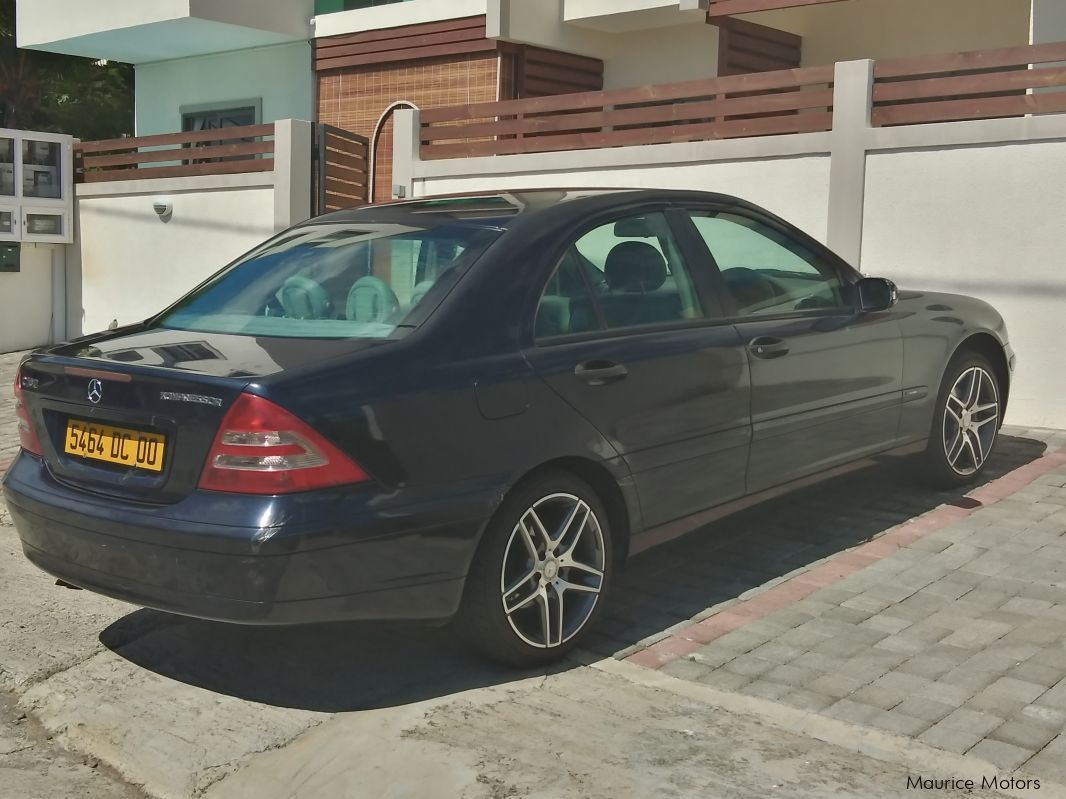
351,5
333,6
215,118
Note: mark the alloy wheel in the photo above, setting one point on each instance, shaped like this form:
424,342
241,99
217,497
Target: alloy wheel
971,420
553,569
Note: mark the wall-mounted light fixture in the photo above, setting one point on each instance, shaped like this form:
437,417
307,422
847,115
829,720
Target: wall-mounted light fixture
164,208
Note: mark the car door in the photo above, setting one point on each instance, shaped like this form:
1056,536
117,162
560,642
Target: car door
625,333
826,380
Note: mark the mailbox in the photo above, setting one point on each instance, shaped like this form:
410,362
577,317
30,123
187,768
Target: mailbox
9,257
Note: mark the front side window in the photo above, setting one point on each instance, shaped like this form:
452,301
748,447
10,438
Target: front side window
341,280
765,271
635,272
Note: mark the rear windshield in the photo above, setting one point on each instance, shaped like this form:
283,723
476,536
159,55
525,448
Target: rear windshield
333,281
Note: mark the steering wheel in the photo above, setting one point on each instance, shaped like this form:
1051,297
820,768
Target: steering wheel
751,288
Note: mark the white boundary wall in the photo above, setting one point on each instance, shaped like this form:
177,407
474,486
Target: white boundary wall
969,207
128,263
26,298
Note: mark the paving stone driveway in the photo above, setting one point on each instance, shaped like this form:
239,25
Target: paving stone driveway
949,628
932,615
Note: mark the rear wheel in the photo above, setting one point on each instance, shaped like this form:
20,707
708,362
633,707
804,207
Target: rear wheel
966,422
539,578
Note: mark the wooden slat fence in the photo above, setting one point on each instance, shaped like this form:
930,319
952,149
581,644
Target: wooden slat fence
801,102
342,169
224,151
985,84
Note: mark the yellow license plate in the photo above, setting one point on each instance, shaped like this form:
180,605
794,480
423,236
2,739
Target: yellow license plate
101,442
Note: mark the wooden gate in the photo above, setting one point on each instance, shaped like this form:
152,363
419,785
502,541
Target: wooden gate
341,170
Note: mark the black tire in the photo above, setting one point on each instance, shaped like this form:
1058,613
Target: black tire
485,625
975,434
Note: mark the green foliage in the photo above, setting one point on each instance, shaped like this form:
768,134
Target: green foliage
61,93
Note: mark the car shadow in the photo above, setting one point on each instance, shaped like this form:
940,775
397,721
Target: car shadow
328,667
347,667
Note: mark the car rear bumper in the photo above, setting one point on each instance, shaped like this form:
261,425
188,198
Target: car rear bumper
332,556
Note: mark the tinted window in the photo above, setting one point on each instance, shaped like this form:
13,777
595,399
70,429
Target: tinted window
331,281
634,269
566,306
765,271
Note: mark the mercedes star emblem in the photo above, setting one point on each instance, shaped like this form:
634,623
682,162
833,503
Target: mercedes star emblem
96,391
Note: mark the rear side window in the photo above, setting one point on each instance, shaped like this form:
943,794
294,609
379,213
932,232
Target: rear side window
331,281
567,305
629,272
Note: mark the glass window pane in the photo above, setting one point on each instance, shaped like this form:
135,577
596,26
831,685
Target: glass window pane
764,270
339,280
7,223
7,167
41,170
219,118
44,224
637,271
566,306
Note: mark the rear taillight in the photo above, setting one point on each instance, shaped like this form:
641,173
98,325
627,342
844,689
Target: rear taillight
27,435
261,448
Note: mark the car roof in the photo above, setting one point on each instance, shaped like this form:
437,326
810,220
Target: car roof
502,208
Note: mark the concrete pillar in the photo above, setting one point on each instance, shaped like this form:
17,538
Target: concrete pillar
292,172
852,104
406,125
1047,22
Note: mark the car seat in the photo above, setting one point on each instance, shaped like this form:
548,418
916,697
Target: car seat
420,290
635,270
303,298
371,300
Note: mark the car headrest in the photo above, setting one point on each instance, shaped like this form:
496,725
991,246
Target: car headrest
371,300
420,290
303,298
635,266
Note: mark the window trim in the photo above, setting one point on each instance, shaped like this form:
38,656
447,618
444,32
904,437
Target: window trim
847,275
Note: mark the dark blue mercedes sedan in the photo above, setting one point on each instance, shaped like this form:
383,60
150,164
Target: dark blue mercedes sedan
475,408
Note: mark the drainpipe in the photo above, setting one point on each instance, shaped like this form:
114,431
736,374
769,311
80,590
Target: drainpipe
58,328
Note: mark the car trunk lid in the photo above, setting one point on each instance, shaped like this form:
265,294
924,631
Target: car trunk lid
133,414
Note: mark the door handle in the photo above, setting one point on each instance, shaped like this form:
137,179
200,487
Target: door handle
768,347
600,373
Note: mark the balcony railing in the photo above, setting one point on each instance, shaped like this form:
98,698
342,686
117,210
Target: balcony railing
985,84
989,84
758,104
224,151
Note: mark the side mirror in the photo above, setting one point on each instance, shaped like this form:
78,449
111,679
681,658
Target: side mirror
876,294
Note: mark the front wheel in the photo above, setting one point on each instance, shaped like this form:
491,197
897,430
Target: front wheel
965,424
540,575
